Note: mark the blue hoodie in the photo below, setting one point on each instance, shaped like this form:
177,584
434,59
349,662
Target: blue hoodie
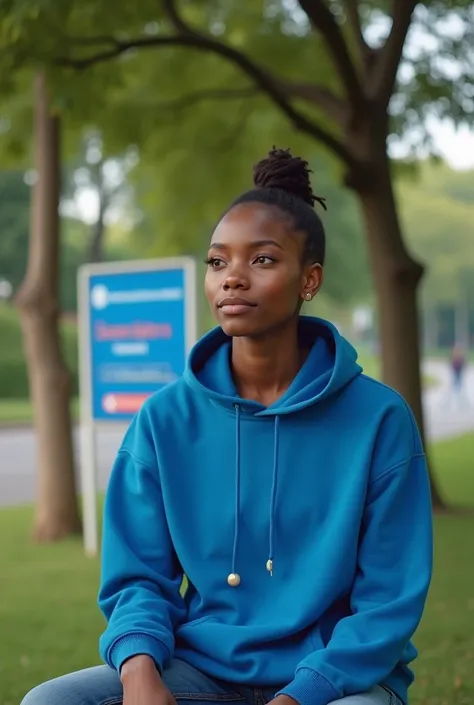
327,488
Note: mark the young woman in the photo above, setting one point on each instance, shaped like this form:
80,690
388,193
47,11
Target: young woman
288,488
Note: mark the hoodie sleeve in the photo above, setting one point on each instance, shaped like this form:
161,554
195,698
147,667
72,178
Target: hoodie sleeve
141,576
393,576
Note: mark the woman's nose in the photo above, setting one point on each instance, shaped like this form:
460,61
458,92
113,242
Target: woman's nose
236,281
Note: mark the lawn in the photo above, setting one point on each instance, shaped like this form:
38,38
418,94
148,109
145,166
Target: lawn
19,411
49,623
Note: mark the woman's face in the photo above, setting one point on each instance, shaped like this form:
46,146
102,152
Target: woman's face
255,280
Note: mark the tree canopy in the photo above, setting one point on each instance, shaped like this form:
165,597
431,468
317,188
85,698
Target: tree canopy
205,77
203,89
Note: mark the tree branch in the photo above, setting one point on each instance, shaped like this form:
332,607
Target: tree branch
353,16
334,106
277,90
323,20
117,49
264,81
323,97
177,21
309,92
314,94
386,66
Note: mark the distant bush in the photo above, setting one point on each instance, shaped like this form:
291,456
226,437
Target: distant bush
13,372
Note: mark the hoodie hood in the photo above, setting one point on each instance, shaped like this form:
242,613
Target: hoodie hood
331,364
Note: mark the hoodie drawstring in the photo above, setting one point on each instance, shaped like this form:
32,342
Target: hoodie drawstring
273,495
234,578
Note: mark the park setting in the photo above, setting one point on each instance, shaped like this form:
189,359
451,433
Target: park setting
126,130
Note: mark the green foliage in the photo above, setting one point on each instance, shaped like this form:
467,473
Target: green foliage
16,117
14,225
182,220
13,372
14,230
436,67
438,212
199,120
74,242
436,71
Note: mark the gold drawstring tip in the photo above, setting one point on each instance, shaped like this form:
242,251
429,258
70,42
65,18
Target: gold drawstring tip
233,580
270,567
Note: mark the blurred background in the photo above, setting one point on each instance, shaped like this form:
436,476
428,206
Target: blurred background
125,130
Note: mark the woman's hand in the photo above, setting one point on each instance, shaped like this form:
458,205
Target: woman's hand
142,684
283,700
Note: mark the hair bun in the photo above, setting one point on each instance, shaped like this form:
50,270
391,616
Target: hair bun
282,171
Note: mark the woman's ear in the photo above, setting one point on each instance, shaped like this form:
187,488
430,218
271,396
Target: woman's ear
313,281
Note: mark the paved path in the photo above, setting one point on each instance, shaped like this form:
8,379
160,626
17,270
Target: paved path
18,447
446,416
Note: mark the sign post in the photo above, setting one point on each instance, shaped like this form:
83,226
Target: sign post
137,324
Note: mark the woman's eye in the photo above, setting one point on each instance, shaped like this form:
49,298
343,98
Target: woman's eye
263,259
214,262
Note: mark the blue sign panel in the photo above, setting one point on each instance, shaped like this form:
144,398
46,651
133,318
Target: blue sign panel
138,337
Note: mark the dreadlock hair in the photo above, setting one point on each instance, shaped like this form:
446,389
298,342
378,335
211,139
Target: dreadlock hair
283,181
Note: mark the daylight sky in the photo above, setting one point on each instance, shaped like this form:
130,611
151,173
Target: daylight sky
456,147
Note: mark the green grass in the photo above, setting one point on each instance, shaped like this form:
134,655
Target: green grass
20,411
49,623
446,663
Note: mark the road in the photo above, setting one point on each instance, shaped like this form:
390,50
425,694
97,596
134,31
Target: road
18,446
445,416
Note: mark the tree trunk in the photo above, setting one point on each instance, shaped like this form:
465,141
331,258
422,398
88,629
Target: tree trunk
57,512
396,277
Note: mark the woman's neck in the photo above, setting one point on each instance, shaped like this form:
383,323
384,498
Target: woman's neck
263,368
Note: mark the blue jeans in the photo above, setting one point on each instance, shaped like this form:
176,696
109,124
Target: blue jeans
101,686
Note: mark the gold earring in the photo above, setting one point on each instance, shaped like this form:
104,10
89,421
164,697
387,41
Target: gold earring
308,296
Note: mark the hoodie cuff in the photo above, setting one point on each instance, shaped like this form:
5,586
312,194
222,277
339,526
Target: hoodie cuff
310,688
137,645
